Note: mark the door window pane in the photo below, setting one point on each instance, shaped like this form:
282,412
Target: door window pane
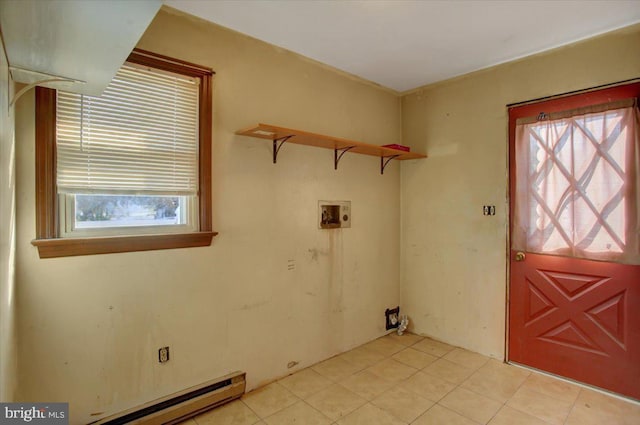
576,191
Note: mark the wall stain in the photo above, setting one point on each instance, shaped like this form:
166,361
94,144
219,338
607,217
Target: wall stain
316,253
251,306
335,289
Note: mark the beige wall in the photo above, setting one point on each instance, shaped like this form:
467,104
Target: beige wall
453,259
90,327
8,338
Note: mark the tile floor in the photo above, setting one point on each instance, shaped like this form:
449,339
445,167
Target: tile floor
409,379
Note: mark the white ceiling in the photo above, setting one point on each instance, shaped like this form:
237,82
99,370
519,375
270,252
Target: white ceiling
406,44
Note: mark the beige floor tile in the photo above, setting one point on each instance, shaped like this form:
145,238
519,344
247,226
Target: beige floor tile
414,358
593,408
338,390
362,356
466,358
433,347
234,413
448,371
471,405
336,401
427,386
496,380
403,404
336,368
299,413
439,415
189,422
541,406
552,387
366,384
510,416
392,370
370,415
407,339
305,383
384,346
269,399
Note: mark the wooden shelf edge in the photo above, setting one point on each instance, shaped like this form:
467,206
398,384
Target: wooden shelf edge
272,132
67,247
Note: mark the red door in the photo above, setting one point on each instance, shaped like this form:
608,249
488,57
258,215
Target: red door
574,292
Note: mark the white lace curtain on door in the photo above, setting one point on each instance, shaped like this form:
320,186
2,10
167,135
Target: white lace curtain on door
577,180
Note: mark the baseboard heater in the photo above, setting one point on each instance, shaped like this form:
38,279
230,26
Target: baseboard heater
182,405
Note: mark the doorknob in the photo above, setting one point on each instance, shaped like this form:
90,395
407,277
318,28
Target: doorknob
520,256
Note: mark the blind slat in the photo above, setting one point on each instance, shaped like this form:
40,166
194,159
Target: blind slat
139,137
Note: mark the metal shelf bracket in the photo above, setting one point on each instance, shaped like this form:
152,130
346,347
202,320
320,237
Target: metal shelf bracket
276,146
337,158
384,160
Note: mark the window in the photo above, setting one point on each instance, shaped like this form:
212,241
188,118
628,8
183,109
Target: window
576,174
129,170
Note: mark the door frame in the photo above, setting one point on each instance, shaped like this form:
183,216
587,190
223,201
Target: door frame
572,100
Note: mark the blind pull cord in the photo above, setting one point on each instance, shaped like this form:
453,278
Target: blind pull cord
81,123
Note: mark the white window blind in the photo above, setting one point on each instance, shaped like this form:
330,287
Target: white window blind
139,137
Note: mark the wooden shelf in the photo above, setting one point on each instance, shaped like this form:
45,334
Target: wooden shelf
280,135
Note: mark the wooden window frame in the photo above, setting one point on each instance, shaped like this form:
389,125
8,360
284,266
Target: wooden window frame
48,240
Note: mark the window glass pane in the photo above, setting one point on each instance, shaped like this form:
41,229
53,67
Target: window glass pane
574,192
100,211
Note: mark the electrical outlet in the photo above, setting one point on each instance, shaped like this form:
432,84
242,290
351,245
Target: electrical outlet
489,210
392,317
163,354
